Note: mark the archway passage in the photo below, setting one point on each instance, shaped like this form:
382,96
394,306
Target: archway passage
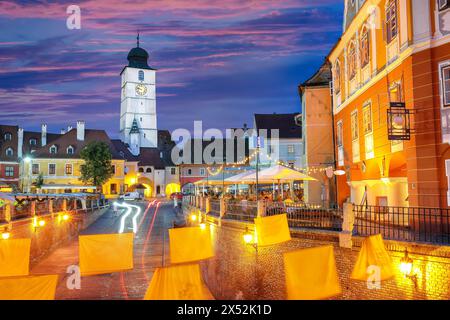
172,188
148,184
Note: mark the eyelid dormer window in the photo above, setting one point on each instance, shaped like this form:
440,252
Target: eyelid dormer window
53,149
9,152
70,150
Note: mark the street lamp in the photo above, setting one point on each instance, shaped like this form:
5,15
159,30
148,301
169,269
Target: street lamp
28,161
406,267
249,239
5,234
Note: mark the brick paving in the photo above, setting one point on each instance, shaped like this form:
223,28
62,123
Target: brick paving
150,252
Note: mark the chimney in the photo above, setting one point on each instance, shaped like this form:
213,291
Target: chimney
43,135
63,131
69,128
80,130
20,143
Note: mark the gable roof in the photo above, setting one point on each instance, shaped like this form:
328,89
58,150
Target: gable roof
70,139
285,123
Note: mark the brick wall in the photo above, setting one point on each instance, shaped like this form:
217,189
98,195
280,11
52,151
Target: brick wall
238,272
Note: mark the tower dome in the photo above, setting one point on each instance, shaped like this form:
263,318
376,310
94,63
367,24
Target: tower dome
138,57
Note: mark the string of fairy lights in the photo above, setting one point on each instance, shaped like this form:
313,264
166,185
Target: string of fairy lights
306,170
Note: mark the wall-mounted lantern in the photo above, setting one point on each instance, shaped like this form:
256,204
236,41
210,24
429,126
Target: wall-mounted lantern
399,122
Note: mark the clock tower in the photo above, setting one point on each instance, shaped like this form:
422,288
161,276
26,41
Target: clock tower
138,102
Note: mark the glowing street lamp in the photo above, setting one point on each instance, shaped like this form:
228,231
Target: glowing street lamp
406,265
248,236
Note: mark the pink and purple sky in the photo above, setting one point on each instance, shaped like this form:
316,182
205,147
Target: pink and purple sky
217,61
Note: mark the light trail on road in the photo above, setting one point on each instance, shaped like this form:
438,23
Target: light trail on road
122,219
149,232
134,219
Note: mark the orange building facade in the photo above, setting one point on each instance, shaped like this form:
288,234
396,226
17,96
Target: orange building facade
393,53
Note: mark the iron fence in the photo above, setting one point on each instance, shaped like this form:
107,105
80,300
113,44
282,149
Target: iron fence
308,216
214,207
21,210
243,210
430,225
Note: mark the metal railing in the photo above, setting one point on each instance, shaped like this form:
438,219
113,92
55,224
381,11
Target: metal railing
243,210
308,216
214,208
430,225
21,210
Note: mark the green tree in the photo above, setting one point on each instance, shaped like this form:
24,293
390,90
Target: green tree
97,167
39,181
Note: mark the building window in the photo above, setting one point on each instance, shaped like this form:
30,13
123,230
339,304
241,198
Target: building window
340,134
149,170
291,149
52,169
141,170
365,51
202,171
113,169
337,78
391,21
35,168
446,85
8,136
9,152
53,149
367,119
173,171
443,4
9,171
33,142
70,150
69,170
189,171
354,122
351,61
141,75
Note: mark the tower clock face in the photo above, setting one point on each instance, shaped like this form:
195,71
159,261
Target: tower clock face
141,89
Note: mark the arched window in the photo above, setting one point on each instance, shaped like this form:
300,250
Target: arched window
391,20
365,47
337,78
351,61
141,75
8,136
53,149
149,170
141,170
33,142
9,152
70,150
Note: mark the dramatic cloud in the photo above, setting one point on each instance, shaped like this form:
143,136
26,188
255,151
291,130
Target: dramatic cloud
216,59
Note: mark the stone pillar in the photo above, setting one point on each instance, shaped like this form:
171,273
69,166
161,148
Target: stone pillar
223,207
83,204
8,213
345,237
261,205
207,205
50,207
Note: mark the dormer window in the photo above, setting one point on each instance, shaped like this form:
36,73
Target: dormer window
141,75
141,170
33,142
8,136
121,154
53,149
9,152
149,170
70,150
